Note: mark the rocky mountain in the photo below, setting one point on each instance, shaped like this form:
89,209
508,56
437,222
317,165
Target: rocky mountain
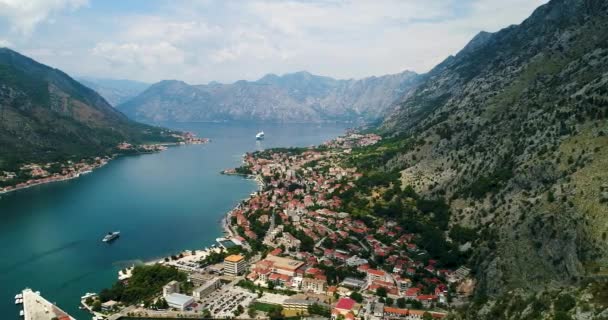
113,90
297,97
513,130
45,116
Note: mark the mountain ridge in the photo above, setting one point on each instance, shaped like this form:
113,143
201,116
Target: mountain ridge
115,91
512,131
48,116
292,97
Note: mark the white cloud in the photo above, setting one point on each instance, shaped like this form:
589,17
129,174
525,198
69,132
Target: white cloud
24,15
200,41
136,55
5,43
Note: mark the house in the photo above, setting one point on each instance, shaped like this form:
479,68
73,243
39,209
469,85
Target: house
355,261
412,293
410,314
427,299
375,274
109,305
314,285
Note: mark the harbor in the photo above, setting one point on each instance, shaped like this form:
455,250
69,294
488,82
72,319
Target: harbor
162,203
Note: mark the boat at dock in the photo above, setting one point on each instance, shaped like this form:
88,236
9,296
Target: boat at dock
111,236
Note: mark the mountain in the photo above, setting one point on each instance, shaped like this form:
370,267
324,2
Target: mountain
46,116
296,97
114,91
513,131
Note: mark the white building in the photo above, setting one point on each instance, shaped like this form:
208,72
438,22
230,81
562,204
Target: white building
171,287
205,289
234,264
179,301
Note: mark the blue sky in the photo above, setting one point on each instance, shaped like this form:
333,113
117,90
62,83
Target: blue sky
199,41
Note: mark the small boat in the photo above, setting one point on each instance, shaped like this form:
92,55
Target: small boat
18,296
111,236
260,135
21,313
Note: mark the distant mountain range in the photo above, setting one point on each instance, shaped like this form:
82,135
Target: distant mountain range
114,91
45,115
295,97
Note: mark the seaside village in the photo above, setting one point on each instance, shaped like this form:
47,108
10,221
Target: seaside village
33,174
289,252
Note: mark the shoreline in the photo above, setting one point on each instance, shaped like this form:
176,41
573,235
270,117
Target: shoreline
48,180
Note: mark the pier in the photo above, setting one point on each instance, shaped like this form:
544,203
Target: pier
35,307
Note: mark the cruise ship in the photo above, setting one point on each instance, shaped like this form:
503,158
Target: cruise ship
260,135
111,236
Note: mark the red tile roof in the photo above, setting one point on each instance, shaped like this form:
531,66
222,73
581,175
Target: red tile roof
345,304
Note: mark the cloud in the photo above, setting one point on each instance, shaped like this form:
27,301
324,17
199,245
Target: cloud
200,41
5,43
136,55
24,15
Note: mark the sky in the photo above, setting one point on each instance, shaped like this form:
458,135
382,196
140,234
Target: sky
199,41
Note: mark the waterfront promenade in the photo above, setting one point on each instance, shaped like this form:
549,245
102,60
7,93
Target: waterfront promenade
35,307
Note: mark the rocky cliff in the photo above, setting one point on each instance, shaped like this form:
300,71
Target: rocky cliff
514,131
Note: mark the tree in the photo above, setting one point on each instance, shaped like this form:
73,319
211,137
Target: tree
96,306
251,312
388,301
357,297
271,285
427,316
381,292
401,303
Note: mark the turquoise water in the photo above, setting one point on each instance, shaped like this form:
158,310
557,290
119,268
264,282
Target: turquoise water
50,235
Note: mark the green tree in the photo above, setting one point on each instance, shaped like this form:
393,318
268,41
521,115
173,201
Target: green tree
96,306
381,292
427,316
401,303
357,297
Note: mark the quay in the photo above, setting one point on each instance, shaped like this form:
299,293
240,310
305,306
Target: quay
35,307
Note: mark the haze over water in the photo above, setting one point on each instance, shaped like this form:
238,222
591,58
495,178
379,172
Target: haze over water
50,235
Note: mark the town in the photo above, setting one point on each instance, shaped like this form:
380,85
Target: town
291,251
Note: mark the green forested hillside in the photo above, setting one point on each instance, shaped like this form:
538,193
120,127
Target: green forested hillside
46,116
513,132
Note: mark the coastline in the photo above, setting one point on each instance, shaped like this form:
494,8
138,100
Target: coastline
147,149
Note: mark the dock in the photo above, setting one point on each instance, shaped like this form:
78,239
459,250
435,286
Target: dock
35,307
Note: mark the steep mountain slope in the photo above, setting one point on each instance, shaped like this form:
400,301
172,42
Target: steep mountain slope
45,115
114,91
297,97
513,130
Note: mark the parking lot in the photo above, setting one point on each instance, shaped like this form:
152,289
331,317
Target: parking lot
224,302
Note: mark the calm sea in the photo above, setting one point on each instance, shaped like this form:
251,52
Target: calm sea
50,235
